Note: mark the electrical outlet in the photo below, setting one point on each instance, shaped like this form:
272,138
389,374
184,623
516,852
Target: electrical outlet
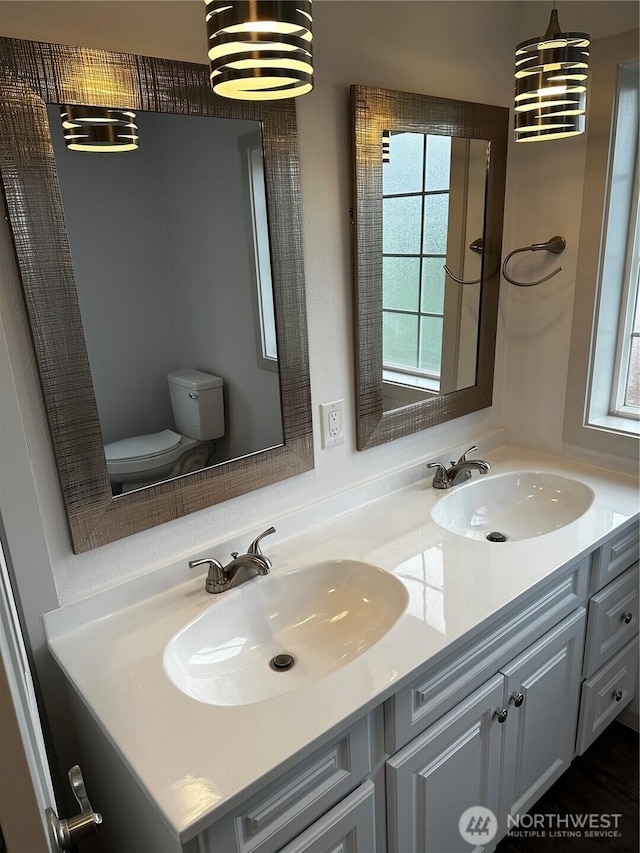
332,423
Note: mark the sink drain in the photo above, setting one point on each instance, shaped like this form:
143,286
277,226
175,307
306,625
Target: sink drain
496,536
281,662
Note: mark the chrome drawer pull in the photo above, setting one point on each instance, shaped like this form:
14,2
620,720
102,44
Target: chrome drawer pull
626,617
502,715
617,695
517,699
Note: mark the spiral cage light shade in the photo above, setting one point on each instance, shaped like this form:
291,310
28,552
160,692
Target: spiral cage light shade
260,50
99,129
386,146
551,74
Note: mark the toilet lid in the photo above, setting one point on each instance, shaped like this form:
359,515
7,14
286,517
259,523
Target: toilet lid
142,446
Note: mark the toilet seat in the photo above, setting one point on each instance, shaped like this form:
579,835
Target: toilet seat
141,453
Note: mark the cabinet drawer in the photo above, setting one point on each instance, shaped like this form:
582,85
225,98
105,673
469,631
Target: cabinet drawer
349,826
616,555
613,620
284,809
606,694
420,704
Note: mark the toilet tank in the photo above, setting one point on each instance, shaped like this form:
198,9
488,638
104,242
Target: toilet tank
197,403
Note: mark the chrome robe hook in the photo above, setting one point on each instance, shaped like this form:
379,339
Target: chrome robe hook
556,245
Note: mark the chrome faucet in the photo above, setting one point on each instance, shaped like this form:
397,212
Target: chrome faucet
242,568
459,472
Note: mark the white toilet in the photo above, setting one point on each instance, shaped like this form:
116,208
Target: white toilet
198,409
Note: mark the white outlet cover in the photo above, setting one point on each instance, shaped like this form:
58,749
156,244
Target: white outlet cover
332,420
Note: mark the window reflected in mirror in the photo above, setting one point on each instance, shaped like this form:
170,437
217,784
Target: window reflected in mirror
433,200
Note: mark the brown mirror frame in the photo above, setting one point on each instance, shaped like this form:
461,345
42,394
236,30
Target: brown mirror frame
374,110
36,73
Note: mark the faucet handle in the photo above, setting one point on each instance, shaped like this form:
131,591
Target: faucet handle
440,476
463,458
254,548
216,578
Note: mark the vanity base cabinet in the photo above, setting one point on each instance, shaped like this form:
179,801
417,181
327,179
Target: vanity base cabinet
452,766
501,748
542,692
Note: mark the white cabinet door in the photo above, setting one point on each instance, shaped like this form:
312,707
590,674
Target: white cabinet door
541,694
452,766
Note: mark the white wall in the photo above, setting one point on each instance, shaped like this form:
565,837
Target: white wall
451,49
547,193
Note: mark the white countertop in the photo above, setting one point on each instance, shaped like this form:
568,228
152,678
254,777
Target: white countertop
456,586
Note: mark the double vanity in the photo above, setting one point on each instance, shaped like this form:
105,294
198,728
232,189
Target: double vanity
392,670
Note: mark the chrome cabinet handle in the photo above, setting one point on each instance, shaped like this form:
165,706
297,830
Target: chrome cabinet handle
617,695
501,714
518,699
65,834
626,617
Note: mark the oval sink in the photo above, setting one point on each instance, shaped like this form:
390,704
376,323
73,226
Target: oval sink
321,616
518,505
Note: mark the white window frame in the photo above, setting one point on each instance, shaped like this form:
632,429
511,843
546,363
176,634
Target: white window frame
591,421
250,147
626,334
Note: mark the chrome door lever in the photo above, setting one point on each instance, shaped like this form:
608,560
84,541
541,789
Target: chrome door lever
67,833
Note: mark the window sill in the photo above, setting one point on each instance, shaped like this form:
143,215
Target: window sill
616,424
409,380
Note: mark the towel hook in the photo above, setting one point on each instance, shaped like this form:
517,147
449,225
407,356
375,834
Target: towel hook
556,245
478,247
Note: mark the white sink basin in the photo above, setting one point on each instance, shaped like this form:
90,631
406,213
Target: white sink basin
518,505
323,616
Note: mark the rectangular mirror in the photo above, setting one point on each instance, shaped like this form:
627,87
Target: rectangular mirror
152,277
429,178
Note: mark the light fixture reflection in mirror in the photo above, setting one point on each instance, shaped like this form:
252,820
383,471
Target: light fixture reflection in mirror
99,129
433,191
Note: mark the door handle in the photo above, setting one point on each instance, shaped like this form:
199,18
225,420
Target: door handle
66,833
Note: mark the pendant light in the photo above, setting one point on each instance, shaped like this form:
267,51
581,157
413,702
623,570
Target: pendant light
551,74
99,129
260,50
386,146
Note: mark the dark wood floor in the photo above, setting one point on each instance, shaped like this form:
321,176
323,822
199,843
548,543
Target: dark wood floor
602,781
